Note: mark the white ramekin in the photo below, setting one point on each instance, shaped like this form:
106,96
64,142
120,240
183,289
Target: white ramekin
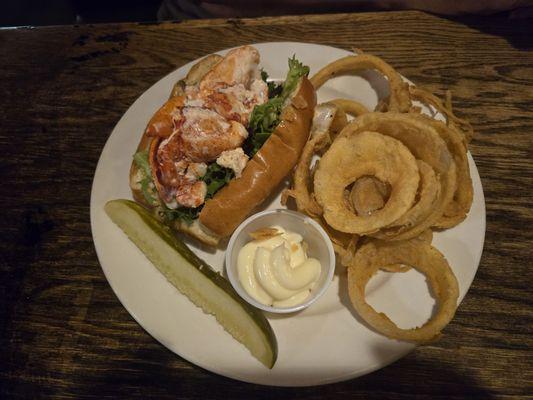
319,247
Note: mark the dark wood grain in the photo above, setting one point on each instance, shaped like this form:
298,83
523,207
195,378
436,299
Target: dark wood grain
63,333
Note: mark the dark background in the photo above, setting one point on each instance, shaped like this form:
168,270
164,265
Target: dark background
66,12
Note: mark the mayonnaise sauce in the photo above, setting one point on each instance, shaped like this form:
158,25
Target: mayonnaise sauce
276,271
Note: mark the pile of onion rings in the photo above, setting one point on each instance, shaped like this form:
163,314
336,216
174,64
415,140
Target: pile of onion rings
384,180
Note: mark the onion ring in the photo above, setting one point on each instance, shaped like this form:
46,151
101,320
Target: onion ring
373,255
425,144
443,192
396,268
399,99
428,194
328,120
462,126
426,236
344,244
300,188
350,107
367,153
459,206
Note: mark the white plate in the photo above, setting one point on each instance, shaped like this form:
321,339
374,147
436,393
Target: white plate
323,344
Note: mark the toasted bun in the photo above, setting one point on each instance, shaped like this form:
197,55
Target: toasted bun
263,173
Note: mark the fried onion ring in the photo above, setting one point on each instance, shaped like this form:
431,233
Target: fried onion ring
344,244
428,194
373,255
399,99
351,157
328,120
456,211
425,144
426,236
353,190
462,126
300,188
396,268
350,107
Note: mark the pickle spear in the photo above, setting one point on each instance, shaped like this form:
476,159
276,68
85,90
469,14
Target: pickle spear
196,279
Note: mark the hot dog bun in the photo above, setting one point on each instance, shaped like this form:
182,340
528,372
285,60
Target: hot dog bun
262,174
265,171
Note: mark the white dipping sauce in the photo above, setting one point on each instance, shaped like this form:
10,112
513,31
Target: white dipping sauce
276,271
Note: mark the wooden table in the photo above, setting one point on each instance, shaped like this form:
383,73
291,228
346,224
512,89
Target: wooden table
64,334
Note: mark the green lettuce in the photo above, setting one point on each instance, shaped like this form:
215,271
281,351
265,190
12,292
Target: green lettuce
216,177
186,214
147,185
296,71
274,89
263,121
266,117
